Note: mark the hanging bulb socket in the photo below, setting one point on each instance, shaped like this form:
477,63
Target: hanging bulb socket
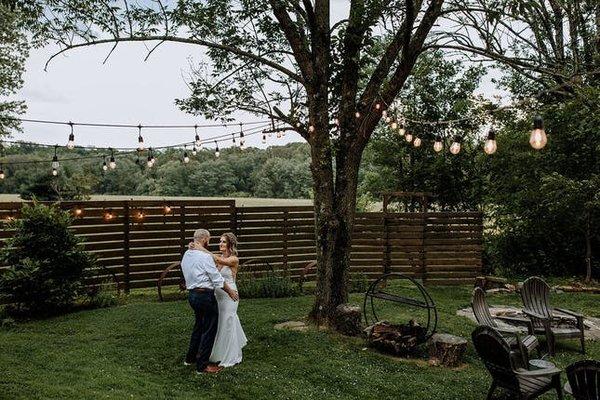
197,137
112,164
71,142
456,144
217,152
538,138
438,145
186,158
140,139
2,175
490,145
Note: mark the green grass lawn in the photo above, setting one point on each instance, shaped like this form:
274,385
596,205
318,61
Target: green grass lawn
136,350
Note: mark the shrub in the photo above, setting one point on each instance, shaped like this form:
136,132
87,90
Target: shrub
271,285
358,283
47,263
102,296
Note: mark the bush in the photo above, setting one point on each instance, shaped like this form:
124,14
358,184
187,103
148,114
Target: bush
272,285
358,283
47,263
102,296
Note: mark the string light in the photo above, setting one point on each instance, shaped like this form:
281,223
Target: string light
384,114
104,166
78,211
197,137
438,145
394,125
311,128
140,215
217,153
336,121
538,138
298,124
71,142
55,163
194,150
490,145
186,158
140,139
150,161
402,131
264,137
455,147
167,209
357,114
241,138
408,137
2,175
109,215
417,142
112,164
233,139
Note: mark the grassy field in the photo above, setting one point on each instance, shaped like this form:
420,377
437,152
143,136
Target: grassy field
135,351
239,201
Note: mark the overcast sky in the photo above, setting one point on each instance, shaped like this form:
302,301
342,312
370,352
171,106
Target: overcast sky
78,87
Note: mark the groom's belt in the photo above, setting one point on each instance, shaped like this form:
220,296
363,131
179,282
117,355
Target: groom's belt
202,290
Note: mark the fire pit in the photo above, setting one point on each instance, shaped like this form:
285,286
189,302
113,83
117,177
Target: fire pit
398,339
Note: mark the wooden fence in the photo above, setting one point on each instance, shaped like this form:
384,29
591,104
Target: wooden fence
135,240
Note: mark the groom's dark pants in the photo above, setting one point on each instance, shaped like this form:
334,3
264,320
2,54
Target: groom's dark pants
206,311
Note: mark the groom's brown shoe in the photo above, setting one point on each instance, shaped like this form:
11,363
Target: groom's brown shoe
212,369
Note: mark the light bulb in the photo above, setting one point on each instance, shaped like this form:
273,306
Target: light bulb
538,137
167,209
311,129
378,106
402,131
394,125
336,121
55,163
112,164
417,142
149,163
140,143
298,125
490,145
264,138
2,176
438,145
104,166
357,114
388,120
54,172
455,147
384,113
186,159
78,211
217,153
194,150
71,142
408,137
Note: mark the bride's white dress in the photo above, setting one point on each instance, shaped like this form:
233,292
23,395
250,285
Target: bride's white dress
227,350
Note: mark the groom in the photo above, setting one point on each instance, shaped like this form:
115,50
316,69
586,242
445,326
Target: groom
201,279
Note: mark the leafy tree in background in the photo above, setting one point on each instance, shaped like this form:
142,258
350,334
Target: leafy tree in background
533,230
439,89
280,178
14,50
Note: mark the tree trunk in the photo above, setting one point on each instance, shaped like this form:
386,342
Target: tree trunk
334,217
588,251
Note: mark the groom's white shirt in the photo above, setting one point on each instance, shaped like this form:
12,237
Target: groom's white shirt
200,271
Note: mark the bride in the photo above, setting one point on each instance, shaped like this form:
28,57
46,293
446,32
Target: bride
227,350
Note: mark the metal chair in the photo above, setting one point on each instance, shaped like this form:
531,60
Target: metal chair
507,369
584,379
526,343
536,301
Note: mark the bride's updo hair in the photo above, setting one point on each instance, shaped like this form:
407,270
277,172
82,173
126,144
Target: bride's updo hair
232,243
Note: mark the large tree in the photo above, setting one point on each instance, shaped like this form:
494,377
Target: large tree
288,60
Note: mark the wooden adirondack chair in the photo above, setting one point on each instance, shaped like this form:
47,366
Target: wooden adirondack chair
524,343
506,368
584,379
536,301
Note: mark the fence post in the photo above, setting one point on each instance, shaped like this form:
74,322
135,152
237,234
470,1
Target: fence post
126,261
387,255
182,229
234,218
424,247
285,242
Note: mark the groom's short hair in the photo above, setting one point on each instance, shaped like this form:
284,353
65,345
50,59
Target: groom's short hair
201,234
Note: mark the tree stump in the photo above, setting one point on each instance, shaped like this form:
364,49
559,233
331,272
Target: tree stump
347,320
446,349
